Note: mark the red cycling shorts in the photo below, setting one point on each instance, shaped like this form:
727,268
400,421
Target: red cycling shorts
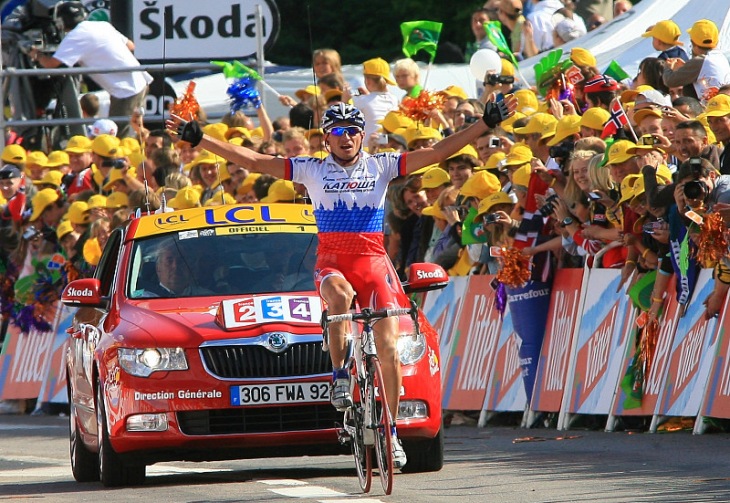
373,278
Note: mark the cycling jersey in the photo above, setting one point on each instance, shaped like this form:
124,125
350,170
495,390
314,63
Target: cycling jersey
349,202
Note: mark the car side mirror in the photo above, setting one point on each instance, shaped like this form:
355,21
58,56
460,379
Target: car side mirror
423,277
83,293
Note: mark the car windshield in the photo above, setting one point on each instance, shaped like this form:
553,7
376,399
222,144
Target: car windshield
205,263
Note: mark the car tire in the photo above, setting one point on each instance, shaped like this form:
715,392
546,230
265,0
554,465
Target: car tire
113,471
424,455
84,463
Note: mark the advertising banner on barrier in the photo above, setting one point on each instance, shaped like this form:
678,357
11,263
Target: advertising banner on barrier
442,308
24,361
555,354
53,387
627,403
600,345
691,356
475,341
717,396
506,391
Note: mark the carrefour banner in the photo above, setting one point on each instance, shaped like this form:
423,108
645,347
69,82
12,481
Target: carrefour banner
475,341
529,306
691,356
555,355
506,390
442,308
717,397
599,350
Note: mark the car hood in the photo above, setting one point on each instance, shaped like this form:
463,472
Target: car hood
192,321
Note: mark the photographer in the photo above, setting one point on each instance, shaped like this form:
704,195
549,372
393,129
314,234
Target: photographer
499,84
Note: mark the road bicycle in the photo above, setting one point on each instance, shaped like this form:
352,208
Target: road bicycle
368,425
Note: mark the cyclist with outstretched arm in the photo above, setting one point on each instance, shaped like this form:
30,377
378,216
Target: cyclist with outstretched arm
348,190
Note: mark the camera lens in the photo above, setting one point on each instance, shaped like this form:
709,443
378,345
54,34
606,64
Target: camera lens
695,190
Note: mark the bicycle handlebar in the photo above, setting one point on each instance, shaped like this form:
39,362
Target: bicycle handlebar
369,315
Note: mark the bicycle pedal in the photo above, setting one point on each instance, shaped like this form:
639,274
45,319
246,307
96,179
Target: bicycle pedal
343,437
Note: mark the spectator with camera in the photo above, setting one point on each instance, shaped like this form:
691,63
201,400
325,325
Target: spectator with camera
718,118
500,84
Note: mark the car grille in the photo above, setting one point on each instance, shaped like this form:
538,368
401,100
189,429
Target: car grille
273,419
253,361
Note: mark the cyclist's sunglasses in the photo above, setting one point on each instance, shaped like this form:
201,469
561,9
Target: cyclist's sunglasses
341,130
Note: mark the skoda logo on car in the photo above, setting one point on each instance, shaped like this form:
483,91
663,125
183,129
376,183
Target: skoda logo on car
277,342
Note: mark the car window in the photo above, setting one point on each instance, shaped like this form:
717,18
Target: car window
105,271
191,264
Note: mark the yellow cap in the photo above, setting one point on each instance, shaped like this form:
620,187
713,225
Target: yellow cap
719,106
630,94
247,183
63,228
106,145
117,200
308,91
509,121
78,213
57,158
627,187
78,145
643,113
465,150
52,177
454,91
186,197
331,94
508,69
114,176
618,152
313,132
595,118
664,174
131,144
413,134
495,160
434,211
521,176
665,31
97,201
527,102
582,57
378,67
37,158
646,143
238,130
704,33
216,130
220,198
568,126
204,157
540,123
41,201
518,155
395,120
492,200
434,177
480,185
281,191
638,190
14,154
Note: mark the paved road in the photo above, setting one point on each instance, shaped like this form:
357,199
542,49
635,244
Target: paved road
493,464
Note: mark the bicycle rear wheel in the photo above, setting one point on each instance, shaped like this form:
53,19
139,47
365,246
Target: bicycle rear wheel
383,426
360,451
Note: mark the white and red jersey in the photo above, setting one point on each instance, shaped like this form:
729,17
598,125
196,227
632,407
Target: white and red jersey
349,203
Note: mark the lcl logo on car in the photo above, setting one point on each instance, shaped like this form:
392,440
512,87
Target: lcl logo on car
174,29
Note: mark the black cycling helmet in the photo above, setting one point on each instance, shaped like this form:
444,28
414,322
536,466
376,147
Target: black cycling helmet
342,112
70,14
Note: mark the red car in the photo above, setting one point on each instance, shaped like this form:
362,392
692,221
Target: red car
231,365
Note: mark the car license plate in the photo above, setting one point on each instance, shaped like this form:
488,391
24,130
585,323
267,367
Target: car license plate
267,394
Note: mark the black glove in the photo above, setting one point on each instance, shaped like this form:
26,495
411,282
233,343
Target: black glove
190,132
494,113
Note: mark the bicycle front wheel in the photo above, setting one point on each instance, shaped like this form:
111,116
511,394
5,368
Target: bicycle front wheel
383,420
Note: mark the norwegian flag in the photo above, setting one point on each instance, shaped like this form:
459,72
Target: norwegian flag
617,121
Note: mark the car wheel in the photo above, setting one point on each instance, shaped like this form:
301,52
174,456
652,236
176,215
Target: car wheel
84,463
424,455
113,471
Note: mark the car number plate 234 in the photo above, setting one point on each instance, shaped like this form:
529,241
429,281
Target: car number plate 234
278,393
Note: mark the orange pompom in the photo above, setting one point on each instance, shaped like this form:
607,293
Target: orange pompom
419,109
712,242
186,106
515,270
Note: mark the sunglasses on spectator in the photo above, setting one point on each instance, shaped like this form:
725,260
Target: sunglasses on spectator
341,130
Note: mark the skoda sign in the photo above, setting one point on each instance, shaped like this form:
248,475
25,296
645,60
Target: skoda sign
190,30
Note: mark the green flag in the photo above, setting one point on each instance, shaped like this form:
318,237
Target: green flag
496,37
472,232
419,35
236,70
615,71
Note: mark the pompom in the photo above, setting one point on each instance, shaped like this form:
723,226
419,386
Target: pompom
243,94
515,270
186,106
712,242
419,109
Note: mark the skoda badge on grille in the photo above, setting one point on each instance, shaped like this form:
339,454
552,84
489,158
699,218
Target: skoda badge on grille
277,342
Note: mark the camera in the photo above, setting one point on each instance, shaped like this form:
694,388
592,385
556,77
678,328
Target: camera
493,79
595,196
30,233
382,139
651,227
495,142
114,163
491,218
695,190
562,150
547,209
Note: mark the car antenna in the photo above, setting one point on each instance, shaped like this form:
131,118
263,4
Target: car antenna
146,187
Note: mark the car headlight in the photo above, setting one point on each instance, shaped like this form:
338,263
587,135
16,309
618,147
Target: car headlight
142,362
411,348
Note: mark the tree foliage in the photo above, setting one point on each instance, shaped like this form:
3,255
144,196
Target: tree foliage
363,30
